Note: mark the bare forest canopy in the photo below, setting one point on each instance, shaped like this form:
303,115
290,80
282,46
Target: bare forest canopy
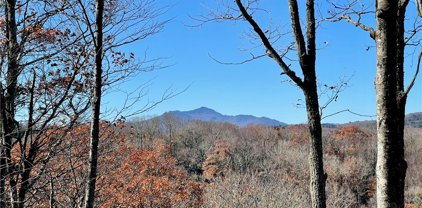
61,146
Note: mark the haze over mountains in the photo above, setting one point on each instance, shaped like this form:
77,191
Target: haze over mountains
207,114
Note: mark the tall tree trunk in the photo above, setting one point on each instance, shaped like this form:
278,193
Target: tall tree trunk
316,165
8,97
3,172
96,104
391,166
310,90
306,51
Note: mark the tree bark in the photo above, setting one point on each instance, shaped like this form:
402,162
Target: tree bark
96,104
307,55
3,172
8,96
316,165
391,166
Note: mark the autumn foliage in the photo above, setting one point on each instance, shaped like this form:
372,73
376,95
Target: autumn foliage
239,166
217,161
147,178
127,175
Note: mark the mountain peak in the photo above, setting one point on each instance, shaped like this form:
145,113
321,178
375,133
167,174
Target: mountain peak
207,114
204,110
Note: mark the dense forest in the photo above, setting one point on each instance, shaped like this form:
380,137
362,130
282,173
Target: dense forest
169,163
61,148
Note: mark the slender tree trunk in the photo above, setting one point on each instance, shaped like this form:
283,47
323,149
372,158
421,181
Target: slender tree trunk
391,166
8,97
3,172
96,104
25,178
52,201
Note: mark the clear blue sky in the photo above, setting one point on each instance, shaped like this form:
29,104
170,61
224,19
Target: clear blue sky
256,88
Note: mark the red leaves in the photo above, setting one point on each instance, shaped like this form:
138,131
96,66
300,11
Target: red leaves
349,132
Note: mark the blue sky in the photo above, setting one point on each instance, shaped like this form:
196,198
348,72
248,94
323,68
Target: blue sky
256,87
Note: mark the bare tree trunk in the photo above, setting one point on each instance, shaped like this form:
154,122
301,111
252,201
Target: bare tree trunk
52,201
307,55
316,166
8,97
391,166
3,172
96,104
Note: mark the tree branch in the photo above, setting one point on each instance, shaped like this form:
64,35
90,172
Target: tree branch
271,51
347,110
311,30
359,24
414,76
297,32
252,58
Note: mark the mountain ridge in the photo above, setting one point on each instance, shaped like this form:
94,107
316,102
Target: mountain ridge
411,119
242,120
207,114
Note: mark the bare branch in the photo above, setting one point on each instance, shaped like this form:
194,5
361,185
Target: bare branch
297,31
406,92
271,51
252,58
332,93
310,29
349,111
348,11
359,24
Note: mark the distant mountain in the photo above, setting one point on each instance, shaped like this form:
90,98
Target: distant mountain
206,114
411,119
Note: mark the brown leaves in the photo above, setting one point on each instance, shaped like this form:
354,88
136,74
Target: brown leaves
217,161
148,178
349,132
128,176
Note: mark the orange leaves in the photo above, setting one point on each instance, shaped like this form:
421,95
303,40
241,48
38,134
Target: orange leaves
349,138
37,32
128,176
349,132
2,22
148,178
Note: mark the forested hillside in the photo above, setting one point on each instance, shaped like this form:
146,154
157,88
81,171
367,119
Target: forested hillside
207,164
222,165
75,75
414,119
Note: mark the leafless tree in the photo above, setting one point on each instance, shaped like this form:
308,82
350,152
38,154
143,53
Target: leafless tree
96,106
306,53
110,26
391,38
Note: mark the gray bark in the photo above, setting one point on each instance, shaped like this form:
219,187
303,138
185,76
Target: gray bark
390,99
316,165
96,104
